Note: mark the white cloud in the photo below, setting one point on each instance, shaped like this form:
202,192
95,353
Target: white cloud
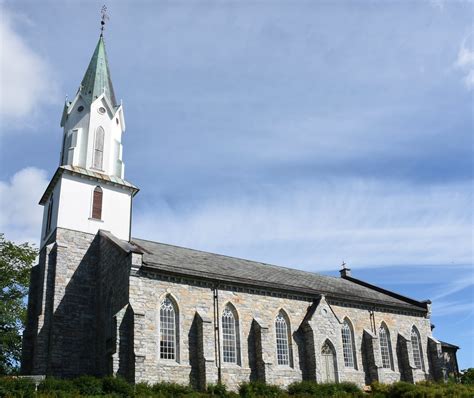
26,79
315,227
456,286
449,308
465,61
20,216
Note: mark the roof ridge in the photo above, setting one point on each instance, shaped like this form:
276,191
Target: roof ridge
398,296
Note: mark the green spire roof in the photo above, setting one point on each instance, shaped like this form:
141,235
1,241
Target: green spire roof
97,77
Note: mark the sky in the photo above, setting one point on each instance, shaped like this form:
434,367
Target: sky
297,133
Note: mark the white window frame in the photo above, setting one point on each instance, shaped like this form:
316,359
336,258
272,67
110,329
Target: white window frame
348,348
170,332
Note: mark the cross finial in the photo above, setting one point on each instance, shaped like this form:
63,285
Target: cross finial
105,17
343,265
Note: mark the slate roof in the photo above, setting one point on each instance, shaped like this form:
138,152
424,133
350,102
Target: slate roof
182,261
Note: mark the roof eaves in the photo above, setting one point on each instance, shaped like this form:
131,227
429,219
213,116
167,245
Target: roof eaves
79,171
125,246
421,304
217,278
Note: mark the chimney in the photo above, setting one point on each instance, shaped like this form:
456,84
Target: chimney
345,272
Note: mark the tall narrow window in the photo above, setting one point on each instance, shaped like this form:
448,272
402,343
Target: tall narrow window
282,344
70,143
229,335
168,330
97,203
385,347
98,158
49,215
416,348
347,345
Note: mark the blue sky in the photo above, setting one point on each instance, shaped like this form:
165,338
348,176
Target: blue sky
297,133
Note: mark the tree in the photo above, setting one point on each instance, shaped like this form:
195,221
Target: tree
15,265
467,376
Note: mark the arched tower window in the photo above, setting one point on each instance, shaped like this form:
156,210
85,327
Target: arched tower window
168,329
98,158
348,345
385,347
97,203
416,348
283,333
230,335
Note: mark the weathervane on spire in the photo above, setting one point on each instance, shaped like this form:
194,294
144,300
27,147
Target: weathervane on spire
105,17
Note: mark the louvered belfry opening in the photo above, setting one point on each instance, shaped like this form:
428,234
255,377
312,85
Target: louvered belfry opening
97,204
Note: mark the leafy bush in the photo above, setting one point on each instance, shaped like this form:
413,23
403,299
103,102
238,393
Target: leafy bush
88,385
144,390
468,376
259,389
422,390
16,387
311,388
117,386
57,388
171,390
217,390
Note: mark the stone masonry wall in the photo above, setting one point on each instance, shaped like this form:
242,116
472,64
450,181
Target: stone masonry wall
256,313
115,320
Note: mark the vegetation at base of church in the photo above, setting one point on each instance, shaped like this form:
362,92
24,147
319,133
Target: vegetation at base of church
421,390
260,389
110,387
313,389
468,376
15,264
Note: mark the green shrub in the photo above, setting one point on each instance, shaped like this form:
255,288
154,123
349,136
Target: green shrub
313,389
171,390
259,389
117,386
88,385
217,390
16,387
144,390
57,388
468,376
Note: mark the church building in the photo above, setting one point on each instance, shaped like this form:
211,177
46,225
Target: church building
103,302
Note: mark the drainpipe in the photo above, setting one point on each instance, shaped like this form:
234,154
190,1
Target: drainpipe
217,334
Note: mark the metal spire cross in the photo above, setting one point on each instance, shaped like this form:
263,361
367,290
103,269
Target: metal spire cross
105,17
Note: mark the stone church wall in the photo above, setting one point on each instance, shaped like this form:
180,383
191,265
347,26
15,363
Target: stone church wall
94,309
61,329
257,311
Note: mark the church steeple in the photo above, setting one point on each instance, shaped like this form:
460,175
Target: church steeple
88,191
93,122
97,77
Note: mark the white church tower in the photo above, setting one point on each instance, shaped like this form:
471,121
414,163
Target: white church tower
88,192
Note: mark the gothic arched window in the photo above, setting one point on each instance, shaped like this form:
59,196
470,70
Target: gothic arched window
98,158
282,331
230,335
97,203
348,345
385,347
416,348
168,329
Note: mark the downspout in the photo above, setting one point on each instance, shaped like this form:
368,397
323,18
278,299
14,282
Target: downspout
217,334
